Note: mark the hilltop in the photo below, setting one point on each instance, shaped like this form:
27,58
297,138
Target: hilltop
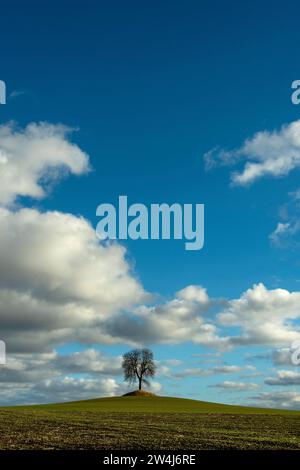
145,402
139,393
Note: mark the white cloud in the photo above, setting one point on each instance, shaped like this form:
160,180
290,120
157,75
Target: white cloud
89,361
178,320
194,293
57,282
286,400
267,153
72,388
282,357
51,377
34,367
222,369
281,231
155,387
238,386
172,362
232,369
27,369
286,233
68,388
264,316
33,157
284,377
193,372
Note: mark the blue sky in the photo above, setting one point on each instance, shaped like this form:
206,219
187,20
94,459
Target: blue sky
152,87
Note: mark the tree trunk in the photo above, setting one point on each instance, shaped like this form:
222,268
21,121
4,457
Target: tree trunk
140,383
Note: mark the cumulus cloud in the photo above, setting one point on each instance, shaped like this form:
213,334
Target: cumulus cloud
57,256
285,400
26,369
57,282
284,377
89,361
194,294
35,367
172,362
279,357
232,369
193,372
181,319
61,285
237,386
52,377
222,369
267,153
282,356
68,388
263,316
33,157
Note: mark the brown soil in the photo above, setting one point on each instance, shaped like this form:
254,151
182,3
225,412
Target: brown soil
139,393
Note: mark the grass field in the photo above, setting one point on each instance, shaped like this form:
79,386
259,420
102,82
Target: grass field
147,423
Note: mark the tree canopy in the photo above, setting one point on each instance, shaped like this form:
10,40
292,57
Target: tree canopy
138,365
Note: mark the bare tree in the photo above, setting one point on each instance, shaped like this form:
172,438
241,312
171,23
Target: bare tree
138,364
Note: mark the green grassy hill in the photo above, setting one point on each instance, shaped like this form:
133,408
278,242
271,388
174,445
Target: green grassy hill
154,404
149,423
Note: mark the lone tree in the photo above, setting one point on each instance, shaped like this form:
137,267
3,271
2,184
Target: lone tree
138,364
